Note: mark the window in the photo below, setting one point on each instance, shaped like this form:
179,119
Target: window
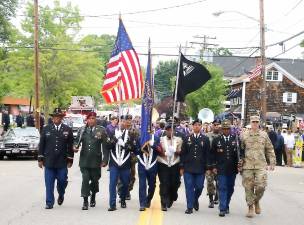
273,75
289,97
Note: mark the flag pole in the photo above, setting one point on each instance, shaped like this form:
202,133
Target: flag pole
176,85
119,88
152,84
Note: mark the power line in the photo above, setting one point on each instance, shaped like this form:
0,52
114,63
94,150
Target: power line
136,12
293,8
296,45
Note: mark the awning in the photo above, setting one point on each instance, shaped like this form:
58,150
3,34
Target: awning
236,109
273,115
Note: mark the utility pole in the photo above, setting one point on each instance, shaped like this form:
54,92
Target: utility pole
205,43
36,66
263,75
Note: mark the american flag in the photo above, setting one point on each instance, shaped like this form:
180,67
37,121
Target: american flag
123,80
255,72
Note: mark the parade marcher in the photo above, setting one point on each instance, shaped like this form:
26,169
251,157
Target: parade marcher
147,172
225,153
194,158
93,155
56,155
168,167
212,186
122,144
256,150
128,126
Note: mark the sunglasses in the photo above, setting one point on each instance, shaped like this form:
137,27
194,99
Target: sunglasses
254,121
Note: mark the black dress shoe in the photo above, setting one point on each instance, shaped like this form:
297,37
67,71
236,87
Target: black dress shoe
60,200
169,205
189,211
222,213
142,209
85,205
164,208
123,204
128,196
48,206
93,201
196,205
148,204
211,204
113,208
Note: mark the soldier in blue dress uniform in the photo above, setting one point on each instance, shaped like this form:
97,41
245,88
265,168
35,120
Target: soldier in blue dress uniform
56,155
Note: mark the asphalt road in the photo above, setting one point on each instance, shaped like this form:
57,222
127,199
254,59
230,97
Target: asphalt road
22,200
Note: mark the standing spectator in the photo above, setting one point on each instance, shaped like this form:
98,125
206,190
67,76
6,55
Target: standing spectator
42,119
5,120
19,120
284,133
289,142
110,129
272,135
30,121
160,131
279,148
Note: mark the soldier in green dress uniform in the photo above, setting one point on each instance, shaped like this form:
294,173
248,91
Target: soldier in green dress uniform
93,155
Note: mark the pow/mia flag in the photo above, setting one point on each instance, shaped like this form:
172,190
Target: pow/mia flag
192,76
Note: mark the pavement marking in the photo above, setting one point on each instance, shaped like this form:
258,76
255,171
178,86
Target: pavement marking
153,215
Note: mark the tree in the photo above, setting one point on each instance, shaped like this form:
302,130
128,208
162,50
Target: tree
7,10
211,95
66,67
165,70
221,52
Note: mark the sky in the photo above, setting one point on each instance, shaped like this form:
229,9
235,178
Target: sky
169,28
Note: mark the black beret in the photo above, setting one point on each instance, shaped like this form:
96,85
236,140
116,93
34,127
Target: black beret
126,117
217,121
169,125
196,121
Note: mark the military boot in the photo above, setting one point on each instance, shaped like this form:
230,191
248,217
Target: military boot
211,202
250,211
93,200
257,207
85,205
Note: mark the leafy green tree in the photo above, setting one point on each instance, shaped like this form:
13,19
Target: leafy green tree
165,71
66,67
7,11
211,95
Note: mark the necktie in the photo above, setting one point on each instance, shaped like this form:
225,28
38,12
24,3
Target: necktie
57,128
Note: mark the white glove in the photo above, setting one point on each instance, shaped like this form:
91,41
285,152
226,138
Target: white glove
151,142
121,142
118,134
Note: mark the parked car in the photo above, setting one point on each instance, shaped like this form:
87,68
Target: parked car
20,142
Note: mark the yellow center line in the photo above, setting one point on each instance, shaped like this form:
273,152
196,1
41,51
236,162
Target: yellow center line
153,215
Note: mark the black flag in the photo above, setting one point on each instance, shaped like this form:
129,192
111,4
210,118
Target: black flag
192,76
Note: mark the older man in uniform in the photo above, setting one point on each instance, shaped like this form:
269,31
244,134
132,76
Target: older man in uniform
225,157
168,167
56,155
93,155
212,187
194,157
256,151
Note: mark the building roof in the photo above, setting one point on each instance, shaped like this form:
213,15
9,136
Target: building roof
235,66
7,100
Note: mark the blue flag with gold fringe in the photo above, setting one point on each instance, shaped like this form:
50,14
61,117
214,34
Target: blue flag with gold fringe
146,106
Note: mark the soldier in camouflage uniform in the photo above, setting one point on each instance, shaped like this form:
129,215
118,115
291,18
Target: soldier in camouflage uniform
212,189
256,151
93,155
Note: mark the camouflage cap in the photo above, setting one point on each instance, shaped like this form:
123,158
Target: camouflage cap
254,118
226,124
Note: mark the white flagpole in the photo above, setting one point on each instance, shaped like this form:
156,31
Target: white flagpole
176,85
